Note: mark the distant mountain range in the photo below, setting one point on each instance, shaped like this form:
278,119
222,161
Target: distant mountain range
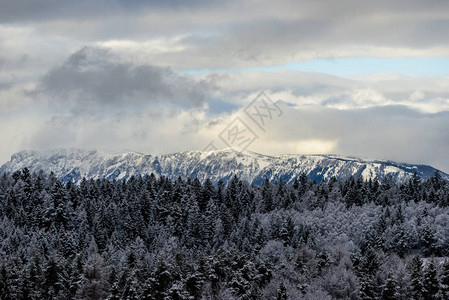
74,164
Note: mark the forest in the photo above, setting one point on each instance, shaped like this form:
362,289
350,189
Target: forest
154,238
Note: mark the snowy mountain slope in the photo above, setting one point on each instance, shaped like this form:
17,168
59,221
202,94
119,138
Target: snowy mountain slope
74,164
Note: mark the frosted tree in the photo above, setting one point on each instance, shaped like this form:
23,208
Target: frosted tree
431,286
416,274
93,283
444,279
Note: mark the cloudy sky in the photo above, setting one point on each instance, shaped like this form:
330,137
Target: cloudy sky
360,78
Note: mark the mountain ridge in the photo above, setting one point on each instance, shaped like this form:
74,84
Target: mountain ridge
74,164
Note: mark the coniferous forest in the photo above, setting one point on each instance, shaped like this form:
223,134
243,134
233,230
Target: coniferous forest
156,238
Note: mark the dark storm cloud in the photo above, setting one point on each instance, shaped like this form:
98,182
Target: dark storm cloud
36,10
278,40
45,10
92,76
242,33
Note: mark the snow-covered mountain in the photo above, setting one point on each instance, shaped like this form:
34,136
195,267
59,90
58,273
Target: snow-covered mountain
74,164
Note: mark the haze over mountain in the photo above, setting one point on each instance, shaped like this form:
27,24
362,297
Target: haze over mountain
74,164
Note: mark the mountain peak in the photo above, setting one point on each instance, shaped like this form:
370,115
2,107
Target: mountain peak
74,164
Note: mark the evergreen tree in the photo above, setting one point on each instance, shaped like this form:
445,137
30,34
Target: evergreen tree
389,291
4,286
162,282
207,193
444,280
75,276
416,275
282,292
34,278
367,269
52,273
431,286
428,241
